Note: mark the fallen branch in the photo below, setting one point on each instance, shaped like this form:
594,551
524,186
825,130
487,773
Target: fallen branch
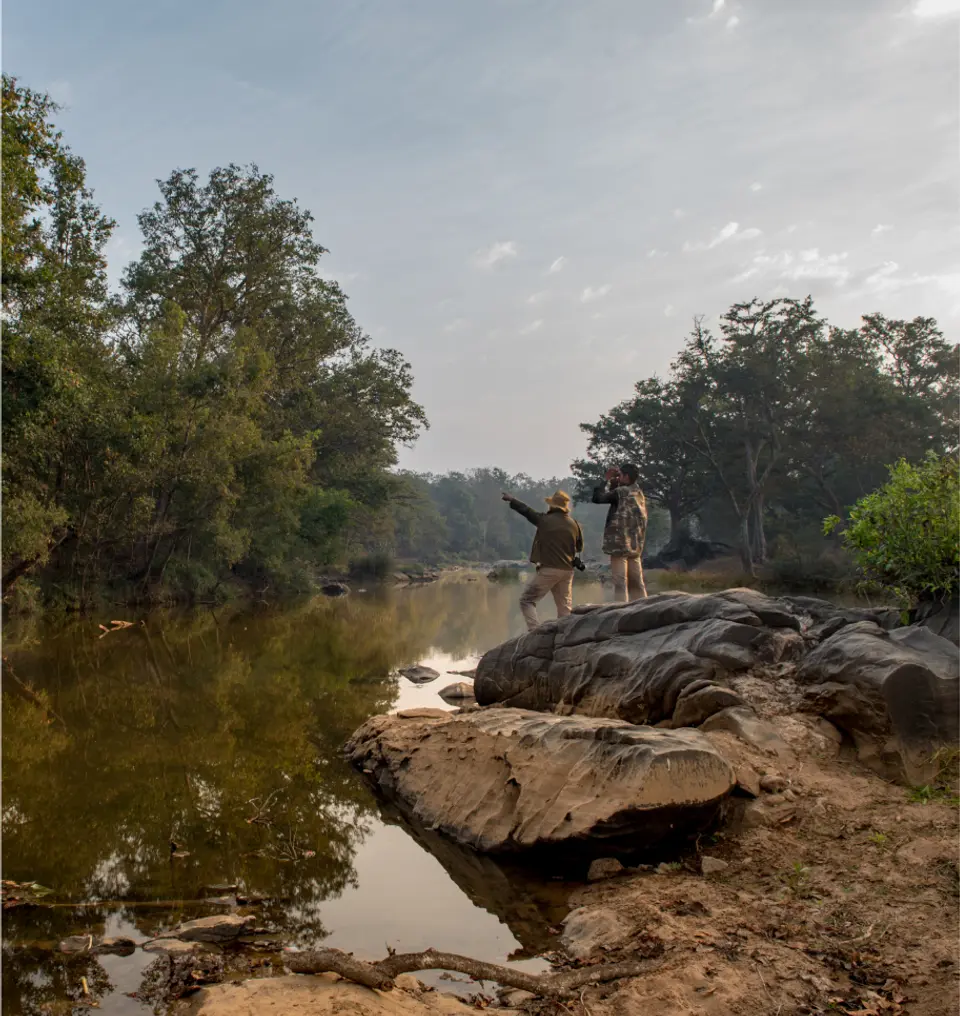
381,974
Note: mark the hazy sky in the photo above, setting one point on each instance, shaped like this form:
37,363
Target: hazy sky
533,198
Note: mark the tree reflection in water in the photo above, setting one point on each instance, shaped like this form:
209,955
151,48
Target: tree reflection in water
218,731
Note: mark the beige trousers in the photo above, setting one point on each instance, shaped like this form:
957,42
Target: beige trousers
558,581
627,575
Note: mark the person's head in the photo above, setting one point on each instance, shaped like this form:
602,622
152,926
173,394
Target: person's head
628,473
560,500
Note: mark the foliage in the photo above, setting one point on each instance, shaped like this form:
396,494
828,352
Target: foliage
782,418
223,418
904,535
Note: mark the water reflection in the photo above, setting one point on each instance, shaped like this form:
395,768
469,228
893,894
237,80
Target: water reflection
216,735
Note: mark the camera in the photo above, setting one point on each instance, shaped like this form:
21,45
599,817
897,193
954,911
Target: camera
578,564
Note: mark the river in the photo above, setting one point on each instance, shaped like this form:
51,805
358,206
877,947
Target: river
218,731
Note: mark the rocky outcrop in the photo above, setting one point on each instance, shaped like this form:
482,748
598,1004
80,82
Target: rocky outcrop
718,661
896,694
419,674
510,780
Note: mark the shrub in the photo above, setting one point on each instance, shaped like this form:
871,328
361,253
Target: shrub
904,535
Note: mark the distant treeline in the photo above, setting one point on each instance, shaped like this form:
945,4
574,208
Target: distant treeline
460,516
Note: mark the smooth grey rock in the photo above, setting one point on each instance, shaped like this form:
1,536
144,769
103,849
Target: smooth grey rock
895,693
509,780
219,928
457,692
745,724
419,675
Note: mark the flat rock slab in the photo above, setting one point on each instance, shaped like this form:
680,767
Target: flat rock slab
324,995
220,928
512,780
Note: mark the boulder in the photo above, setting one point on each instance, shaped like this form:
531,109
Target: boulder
662,660
510,780
220,928
419,675
895,693
170,946
334,589
589,930
457,692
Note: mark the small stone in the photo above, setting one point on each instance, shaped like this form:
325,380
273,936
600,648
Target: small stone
772,799
748,780
419,675
118,945
773,783
712,865
604,867
408,983
170,945
221,928
790,794
515,997
589,929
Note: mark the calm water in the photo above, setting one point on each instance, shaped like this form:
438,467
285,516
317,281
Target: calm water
189,727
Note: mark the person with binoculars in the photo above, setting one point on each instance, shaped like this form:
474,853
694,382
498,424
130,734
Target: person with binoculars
556,552
625,530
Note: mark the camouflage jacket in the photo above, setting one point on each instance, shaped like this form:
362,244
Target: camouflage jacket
626,526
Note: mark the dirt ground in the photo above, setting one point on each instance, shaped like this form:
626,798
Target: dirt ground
841,895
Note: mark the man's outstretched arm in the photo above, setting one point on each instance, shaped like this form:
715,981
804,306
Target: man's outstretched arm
521,509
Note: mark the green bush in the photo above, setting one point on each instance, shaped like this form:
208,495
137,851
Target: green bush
905,535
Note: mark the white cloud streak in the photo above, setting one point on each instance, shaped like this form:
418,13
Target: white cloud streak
936,8
534,326
557,265
731,231
502,250
592,293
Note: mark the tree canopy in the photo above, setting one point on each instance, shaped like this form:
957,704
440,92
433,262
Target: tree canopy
223,414
782,417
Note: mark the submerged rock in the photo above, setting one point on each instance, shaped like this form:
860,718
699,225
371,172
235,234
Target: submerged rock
219,928
335,589
510,780
419,675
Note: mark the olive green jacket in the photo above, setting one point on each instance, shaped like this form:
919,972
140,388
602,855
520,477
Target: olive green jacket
559,537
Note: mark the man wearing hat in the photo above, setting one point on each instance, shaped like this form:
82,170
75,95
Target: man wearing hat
558,541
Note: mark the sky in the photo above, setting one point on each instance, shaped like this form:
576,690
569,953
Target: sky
533,199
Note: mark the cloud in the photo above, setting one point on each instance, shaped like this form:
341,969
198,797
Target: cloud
669,311
502,250
886,278
532,327
654,253
936,8
534,298
456,325
557,265
733,22
730,231
880,228
756,187
794,266
679,213
718,6
595,293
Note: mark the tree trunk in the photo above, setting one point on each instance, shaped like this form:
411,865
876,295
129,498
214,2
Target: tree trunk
679,525
746,551
758,534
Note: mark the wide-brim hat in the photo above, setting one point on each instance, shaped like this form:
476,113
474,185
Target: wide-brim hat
561,500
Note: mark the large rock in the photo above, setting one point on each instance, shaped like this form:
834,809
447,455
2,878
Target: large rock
895,693
661,660
510,780
220,928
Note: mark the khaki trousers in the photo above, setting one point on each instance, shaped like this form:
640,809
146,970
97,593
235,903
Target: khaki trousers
627,575
558,581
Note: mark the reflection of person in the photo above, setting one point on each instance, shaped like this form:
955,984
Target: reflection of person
625,531
558,541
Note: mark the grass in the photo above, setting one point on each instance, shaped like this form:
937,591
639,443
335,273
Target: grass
943,787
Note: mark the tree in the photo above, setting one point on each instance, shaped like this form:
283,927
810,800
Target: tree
904,535
653,430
